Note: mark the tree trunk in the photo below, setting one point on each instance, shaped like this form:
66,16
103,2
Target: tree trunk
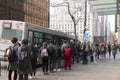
75,33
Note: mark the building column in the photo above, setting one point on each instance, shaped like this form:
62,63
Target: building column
117,26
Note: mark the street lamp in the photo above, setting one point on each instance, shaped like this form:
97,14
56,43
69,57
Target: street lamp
85,31
85,13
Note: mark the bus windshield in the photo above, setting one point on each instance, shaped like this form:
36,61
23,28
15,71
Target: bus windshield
9,33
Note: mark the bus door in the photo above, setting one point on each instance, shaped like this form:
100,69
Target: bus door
38,38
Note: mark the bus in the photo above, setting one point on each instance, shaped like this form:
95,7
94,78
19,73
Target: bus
24,30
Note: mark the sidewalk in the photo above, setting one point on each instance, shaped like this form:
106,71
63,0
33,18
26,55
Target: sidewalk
108,69
104,70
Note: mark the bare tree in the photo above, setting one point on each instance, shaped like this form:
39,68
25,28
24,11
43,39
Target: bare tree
75,21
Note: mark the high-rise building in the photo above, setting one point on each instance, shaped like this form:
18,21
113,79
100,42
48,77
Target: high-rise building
33,11
62,21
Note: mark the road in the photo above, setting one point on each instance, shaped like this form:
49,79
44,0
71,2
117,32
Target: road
108,69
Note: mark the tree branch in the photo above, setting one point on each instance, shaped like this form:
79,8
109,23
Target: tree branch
78,20
73,18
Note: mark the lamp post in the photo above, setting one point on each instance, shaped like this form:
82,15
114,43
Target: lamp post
85,13
85,22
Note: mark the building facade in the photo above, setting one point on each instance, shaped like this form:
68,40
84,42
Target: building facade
32,11
62,21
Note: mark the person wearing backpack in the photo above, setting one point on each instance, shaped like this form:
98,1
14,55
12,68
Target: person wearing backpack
45,58
12,57
24,60
67,58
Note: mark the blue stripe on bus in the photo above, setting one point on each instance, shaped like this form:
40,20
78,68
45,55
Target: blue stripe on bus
2,50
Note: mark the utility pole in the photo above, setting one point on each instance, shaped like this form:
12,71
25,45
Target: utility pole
85,14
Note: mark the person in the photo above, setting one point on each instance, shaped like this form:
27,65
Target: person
95,51
102,51
51,56
57,58
34,52
114,50
45,58
24,60
12,66
67,58
109,49
85,52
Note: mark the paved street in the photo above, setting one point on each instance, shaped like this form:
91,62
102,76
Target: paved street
108,69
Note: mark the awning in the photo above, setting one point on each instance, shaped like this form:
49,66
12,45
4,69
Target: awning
106,7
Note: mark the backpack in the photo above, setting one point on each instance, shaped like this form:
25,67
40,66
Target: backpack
51,50
44,52
67,51
11,54
22,56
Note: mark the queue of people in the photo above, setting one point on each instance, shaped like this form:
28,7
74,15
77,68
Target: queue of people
23,57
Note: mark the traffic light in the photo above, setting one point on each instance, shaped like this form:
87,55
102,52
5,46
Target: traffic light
85,32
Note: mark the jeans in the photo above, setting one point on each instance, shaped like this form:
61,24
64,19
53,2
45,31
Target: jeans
81,56
57,64
95,56
114,56
102,55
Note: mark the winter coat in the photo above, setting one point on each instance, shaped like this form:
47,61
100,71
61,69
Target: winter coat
114,49
34,53
24,67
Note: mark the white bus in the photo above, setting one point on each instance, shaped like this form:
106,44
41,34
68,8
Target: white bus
23,30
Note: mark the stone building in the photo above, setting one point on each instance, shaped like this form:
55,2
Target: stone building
32,11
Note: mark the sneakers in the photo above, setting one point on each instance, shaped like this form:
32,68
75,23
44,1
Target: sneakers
95,61
58,69
54,70
30,77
